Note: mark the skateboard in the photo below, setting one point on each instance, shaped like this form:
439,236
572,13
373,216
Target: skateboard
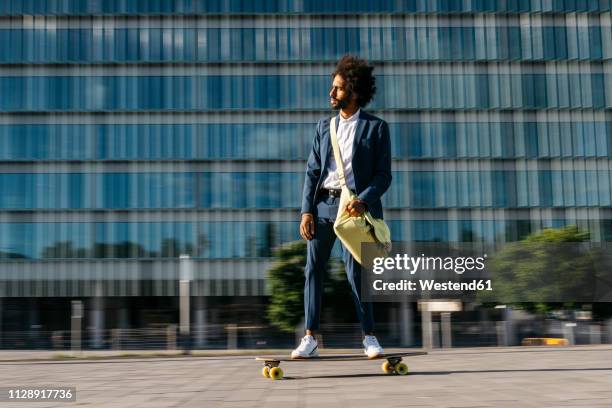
392,365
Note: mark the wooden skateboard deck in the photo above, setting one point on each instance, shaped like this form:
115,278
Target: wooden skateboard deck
392,365
340,357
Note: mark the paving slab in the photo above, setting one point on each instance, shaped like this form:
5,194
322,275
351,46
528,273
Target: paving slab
482,377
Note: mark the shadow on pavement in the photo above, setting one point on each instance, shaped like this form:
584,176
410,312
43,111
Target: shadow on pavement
452,372
119,360
526,370
535,349
335,376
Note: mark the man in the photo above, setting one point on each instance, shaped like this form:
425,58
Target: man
365,149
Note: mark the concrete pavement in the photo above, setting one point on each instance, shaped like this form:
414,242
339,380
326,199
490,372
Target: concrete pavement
476,377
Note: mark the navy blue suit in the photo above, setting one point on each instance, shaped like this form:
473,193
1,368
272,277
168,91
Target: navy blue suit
372,173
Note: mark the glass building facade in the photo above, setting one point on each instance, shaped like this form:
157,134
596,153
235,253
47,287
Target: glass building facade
135,131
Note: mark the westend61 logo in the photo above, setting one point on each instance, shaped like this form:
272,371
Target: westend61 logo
411,264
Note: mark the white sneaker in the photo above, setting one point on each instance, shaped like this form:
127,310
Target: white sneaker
372,348
307,348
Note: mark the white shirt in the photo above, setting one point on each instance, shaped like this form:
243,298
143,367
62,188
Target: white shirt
345,132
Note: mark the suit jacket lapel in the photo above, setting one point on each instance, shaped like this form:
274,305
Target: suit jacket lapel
326,147
359,132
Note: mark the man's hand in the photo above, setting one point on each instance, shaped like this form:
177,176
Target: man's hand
356,207
307,226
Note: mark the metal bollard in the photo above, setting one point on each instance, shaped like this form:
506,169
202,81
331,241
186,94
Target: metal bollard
426,330
75,325
502,339
171,337
435,334
594,334
57,339
568,333
232,336
116,339
445,321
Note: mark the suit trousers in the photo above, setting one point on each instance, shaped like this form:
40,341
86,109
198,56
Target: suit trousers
319,250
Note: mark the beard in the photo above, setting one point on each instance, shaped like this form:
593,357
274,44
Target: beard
340,104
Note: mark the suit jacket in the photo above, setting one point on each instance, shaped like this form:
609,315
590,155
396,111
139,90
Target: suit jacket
371,162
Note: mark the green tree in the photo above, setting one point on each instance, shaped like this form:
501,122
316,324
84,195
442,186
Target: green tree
286,280
547,270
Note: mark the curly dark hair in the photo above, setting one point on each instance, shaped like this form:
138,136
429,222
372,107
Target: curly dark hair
358,76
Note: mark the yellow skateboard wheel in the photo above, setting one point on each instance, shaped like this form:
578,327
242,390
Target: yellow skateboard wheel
276,373
265,371
387,367
401,368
